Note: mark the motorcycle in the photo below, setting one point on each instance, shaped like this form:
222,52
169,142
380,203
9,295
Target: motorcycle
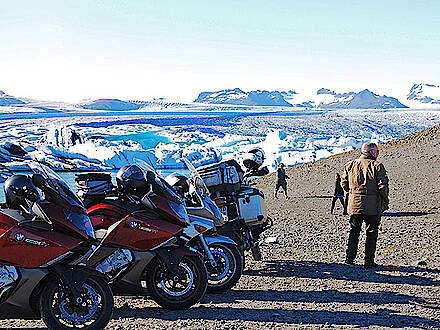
42,243
222,258
147,222
242,205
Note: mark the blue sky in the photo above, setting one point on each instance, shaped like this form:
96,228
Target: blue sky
70,50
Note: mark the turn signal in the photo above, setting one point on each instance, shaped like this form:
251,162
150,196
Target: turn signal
200,229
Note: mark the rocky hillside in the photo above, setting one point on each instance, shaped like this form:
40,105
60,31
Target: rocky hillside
412,162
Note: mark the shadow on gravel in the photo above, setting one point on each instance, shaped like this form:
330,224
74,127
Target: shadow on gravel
10,312
382,318
404,214
313,269
314,196
322,296
25,328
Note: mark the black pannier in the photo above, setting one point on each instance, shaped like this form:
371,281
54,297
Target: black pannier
93,187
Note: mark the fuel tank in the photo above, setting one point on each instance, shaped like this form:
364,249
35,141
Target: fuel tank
22,245
104,214
140,231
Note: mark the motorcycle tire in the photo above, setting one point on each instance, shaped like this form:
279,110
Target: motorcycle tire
229,269
192,279
60,311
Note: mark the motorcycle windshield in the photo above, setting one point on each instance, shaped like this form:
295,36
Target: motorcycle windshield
57,185
5,173
196,180
63,195
175,205
199,187
165,190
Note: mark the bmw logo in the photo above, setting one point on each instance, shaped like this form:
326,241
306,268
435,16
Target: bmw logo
19,237
133,224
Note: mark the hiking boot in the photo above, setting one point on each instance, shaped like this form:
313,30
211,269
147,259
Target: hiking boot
349,262
370,265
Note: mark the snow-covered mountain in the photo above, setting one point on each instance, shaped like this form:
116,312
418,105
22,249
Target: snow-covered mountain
239,97
365,99
424,95
110,104
6,99
420,96
323,99
11,104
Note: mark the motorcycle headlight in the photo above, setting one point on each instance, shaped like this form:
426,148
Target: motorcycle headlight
80,221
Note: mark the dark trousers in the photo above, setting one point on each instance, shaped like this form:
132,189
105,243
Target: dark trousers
372,228
282,184
341,199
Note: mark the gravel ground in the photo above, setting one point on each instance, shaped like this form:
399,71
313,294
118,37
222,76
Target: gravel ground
302,282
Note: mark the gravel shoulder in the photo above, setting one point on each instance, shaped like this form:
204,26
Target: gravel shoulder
302,282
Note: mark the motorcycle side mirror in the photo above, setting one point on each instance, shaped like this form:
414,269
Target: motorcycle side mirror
38,181
151,177
260,172
263,171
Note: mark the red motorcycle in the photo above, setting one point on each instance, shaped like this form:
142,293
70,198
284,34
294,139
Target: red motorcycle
42,243
147,222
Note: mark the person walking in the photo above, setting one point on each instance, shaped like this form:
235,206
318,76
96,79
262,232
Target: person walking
281,180
366,181
338,194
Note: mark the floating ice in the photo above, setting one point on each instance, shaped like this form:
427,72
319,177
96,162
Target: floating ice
104,143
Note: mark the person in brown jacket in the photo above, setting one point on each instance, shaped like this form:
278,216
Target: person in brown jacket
366,181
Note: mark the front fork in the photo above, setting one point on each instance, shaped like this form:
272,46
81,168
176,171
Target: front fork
208,252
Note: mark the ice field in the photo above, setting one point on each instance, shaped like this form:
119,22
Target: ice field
108,140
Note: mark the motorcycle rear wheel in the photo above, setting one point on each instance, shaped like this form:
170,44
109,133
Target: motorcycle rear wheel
177,291
59,310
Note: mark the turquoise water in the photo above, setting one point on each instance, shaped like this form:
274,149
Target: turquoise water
148,140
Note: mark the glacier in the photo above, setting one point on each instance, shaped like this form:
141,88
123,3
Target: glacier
107,142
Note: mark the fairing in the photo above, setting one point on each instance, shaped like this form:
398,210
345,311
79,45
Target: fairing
28,248
57,185
140,232
163,196
59,195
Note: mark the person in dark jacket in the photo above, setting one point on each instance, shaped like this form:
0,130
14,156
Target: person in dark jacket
366,181
338,194
281,180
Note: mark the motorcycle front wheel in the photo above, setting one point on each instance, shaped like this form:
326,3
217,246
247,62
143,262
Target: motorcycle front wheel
180,290
91,311
228,270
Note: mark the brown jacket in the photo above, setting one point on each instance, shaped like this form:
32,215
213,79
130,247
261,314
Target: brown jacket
366,181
